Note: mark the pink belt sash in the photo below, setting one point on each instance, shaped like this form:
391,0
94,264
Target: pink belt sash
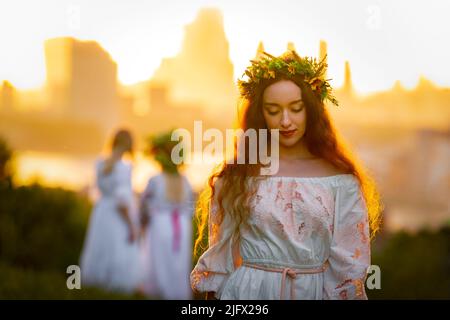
176,230
291,272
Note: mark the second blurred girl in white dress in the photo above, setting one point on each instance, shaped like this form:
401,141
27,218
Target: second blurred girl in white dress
166,212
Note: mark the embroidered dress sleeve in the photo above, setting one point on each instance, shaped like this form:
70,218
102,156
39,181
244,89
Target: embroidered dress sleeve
217,263
350,248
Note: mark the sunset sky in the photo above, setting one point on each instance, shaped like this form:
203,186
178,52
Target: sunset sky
383,40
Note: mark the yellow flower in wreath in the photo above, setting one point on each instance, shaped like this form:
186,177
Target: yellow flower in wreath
316,83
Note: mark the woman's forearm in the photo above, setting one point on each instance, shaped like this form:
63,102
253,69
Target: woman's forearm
123,210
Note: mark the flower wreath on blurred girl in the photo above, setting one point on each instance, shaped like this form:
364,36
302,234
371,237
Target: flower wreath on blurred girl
160,147
167,204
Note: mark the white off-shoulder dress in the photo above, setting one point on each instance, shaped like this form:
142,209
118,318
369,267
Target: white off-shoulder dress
306,238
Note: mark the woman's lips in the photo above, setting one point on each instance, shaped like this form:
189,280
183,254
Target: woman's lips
288,133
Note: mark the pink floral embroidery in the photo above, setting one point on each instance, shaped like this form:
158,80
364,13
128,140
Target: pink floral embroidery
279,196
326,210
300,227
293,185
361,227
359,284
197,277
343,294
357,253
288,206
319,198
298,195
280,227
347,281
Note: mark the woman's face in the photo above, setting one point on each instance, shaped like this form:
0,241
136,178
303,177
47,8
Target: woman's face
284,109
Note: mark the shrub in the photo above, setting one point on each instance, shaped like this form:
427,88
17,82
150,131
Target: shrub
414,266
18,283
42,228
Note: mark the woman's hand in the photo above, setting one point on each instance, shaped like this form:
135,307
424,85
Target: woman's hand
142,233
210,295
132,235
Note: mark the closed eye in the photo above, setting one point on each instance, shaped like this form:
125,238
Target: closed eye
298,107
272,111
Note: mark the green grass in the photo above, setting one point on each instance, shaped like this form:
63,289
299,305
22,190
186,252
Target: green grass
17,283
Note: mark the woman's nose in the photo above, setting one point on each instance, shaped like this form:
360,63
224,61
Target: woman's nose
285,119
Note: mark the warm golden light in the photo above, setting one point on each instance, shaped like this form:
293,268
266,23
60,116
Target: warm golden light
91,67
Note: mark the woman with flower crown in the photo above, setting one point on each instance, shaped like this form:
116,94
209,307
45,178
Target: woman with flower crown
304,232
167,207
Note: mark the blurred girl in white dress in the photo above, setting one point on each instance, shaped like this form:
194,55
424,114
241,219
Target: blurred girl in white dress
166,216
303,232
110,254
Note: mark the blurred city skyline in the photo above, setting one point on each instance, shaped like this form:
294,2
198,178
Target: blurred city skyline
384,41
82,94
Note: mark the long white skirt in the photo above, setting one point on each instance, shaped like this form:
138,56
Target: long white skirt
108,260
168,266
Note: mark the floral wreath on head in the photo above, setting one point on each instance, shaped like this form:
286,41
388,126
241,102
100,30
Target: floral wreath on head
289,65
160,146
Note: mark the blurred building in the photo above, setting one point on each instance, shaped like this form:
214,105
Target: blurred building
202,72
81,81
7,97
